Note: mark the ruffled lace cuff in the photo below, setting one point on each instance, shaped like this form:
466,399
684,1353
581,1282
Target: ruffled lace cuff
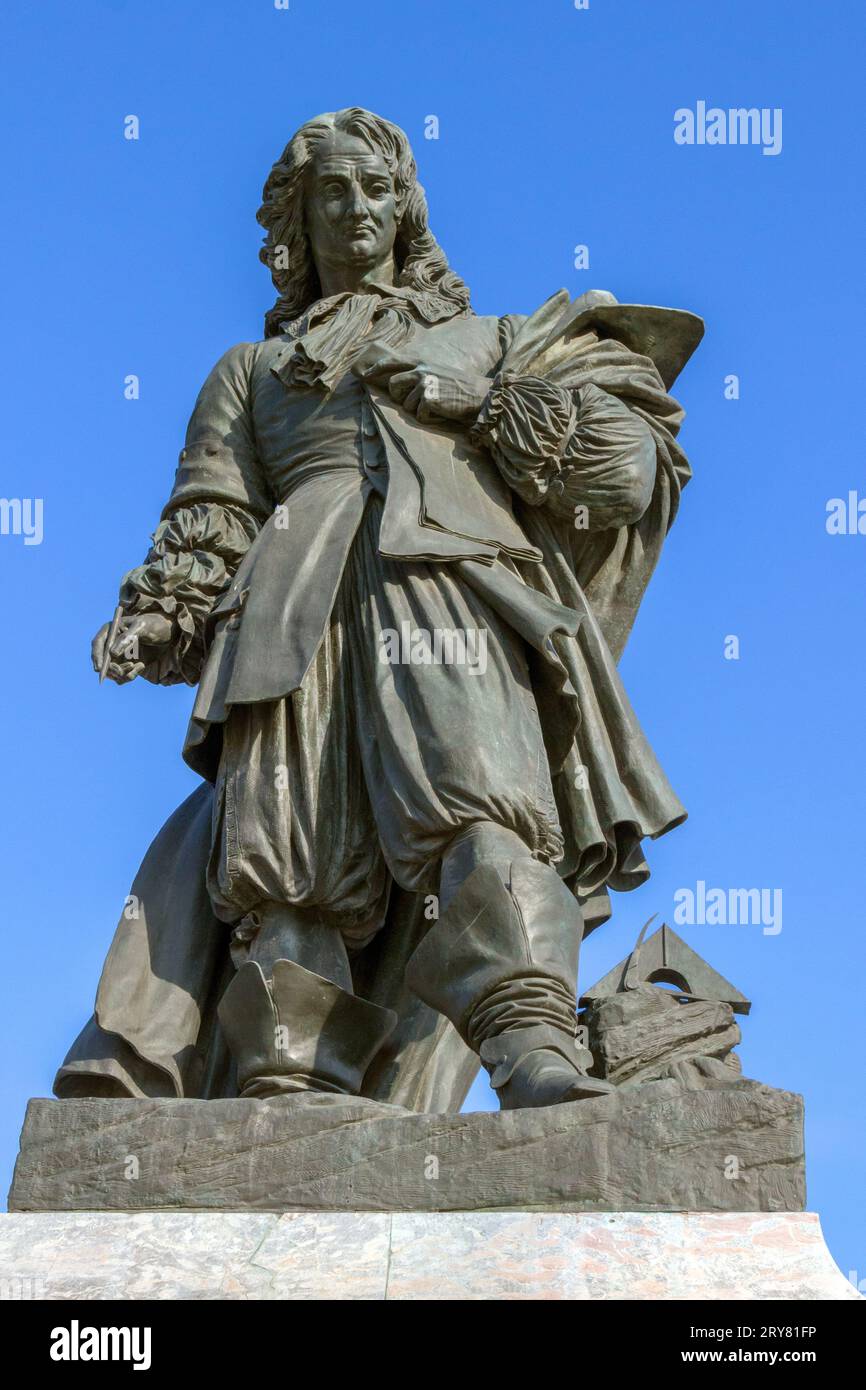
192,558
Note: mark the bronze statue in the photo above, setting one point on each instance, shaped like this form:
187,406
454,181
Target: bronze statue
401,557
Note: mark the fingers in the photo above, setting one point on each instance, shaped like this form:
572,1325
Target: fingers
372,362
124,648
130,630
122,672
144,635
422,399
410,388
97,647
402,383
376,362
427,411
367,362
413,398
124,664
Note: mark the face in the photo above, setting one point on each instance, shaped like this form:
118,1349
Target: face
349,204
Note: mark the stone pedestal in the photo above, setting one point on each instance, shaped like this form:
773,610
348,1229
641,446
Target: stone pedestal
658,1191
416,1255
730,1146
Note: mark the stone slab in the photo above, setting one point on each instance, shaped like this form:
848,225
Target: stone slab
730,1146
417,1256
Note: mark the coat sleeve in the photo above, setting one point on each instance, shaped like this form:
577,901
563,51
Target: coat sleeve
570,449
216,507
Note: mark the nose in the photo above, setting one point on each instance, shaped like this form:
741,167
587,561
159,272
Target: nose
357,203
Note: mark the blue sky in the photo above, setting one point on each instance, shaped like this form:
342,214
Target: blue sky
555,129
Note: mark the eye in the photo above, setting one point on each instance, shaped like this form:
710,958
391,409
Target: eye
379,189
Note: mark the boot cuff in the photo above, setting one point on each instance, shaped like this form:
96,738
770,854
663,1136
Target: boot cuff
501,1054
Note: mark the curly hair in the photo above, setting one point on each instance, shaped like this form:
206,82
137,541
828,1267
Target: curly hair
421,263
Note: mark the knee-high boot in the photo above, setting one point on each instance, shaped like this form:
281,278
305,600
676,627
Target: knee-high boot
501,964
299,1032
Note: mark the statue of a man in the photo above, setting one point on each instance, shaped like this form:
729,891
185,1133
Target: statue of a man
403,550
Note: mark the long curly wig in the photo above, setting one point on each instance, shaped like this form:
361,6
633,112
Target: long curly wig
421,263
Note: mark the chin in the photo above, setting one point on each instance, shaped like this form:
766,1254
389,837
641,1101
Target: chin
361,252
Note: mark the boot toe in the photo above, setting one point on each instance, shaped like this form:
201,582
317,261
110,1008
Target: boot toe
544,1078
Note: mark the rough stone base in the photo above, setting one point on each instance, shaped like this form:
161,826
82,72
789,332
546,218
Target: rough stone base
428,1256
733,1146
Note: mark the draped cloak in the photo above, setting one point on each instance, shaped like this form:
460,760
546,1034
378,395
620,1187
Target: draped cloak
252,598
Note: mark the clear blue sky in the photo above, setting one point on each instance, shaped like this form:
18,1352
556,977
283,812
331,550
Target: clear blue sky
556,128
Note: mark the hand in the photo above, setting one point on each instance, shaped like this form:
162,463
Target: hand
142,635
429,392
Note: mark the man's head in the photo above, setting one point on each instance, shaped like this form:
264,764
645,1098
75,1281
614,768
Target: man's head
345,191
350,208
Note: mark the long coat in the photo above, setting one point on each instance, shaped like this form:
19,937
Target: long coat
570,592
